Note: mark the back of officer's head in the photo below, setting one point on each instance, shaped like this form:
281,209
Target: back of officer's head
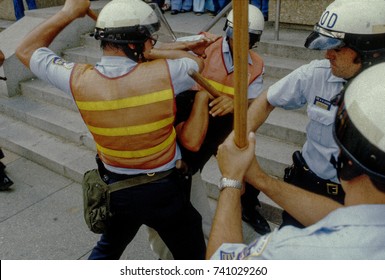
123,22
360,127
256,25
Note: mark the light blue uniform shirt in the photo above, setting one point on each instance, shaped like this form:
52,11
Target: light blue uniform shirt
315,85
355,232
256,87
49,67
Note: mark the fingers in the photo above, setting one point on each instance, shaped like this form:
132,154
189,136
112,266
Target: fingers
221,106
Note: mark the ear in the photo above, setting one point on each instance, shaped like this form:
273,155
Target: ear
131,46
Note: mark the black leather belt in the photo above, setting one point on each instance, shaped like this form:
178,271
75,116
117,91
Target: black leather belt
301,175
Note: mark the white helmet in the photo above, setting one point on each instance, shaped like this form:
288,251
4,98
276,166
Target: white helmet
360,126
357,24
256,24
126,21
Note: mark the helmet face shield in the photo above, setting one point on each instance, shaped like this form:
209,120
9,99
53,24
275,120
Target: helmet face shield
323,39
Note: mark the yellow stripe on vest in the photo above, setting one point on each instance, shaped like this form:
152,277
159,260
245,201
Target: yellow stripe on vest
139,153
221,87
126,102
131,130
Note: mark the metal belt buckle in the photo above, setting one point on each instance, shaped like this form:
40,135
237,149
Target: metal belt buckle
332,188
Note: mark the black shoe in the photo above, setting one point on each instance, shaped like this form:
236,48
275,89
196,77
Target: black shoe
5,182
256,221
174,12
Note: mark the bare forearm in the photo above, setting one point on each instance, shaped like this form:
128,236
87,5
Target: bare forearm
308,208
258,112
45,33
227,223
192,132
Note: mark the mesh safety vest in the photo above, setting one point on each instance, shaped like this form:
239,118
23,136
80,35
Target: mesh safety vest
130,117
215,71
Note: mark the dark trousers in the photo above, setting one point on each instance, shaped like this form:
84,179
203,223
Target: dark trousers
19,7
161,205
301,176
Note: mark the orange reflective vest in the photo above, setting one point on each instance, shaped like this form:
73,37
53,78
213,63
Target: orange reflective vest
215,71
130,117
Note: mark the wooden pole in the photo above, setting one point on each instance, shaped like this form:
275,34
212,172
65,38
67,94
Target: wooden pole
203,83
92,14
240,55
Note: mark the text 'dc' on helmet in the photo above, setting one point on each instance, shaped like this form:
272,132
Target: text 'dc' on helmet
355,23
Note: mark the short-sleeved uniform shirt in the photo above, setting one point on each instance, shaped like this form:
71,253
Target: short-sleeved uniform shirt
354,232
50,67
315,85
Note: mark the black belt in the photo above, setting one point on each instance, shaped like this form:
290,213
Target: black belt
301,175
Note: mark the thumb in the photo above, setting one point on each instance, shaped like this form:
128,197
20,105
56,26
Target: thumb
252,139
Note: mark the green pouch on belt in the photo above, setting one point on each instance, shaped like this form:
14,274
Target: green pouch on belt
96,196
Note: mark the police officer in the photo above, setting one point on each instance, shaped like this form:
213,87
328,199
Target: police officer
354,38
5,182
202,124
352,232
127,103
219,72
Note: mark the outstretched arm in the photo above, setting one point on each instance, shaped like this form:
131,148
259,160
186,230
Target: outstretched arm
258,112
173,54
291,198
45,33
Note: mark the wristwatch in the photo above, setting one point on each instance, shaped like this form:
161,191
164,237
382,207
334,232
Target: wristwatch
229,183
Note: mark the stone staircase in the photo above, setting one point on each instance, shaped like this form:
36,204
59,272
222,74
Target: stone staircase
43,125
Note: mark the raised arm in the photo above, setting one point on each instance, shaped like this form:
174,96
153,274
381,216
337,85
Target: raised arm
45,33
173,54
258,112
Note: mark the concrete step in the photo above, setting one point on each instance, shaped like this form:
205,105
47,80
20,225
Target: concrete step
50,118
61,156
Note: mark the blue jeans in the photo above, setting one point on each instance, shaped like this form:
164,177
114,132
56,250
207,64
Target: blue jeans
263,5
179,5
162,205
19,7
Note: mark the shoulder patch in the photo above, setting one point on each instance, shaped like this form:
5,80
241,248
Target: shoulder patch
255,248
61,62
226,255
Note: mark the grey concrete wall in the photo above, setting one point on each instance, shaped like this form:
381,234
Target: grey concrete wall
299,12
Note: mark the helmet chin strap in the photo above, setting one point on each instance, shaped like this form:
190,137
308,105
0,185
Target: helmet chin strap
136,53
